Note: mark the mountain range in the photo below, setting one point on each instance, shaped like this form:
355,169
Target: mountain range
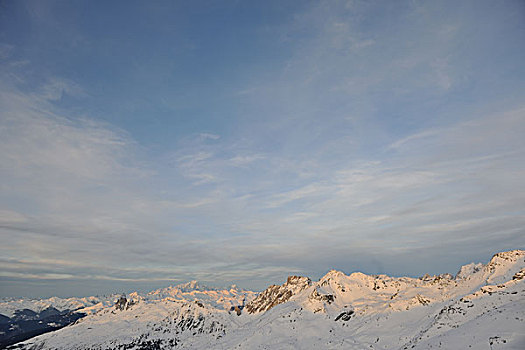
481,307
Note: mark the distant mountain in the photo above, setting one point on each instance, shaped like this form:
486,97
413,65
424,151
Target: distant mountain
9,306
21,319
482,307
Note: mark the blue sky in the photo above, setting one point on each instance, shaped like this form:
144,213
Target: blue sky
150,143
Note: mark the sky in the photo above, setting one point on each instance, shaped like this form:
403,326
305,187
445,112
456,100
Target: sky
145,144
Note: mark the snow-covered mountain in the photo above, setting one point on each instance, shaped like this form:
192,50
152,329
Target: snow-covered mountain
192,291
22,319
88,305
482,307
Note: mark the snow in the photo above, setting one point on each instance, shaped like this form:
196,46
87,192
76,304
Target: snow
483,307
87,305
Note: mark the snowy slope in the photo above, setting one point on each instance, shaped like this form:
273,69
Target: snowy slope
483,307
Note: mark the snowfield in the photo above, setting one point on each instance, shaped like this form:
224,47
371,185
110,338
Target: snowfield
482,307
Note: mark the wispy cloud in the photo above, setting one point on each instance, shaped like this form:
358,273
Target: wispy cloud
209,136
375,133
242,160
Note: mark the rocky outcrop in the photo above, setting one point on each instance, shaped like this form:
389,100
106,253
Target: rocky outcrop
519,275
327,298
275,295
504,258
345,315
123,303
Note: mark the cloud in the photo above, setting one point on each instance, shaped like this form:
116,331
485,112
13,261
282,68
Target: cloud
77,204
428,167
209,136
424,134
242,160
55,89
9,217
310,190
69,185
5,50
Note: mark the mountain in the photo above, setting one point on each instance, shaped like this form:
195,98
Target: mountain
275,295
27,318
193,291
89,305
482,307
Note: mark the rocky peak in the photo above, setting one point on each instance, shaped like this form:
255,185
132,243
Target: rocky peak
442,278
297,282
190,286
504,258
275,295
503,265
123,303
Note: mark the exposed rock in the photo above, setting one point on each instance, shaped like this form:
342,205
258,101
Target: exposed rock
121,303
519,275
275,295
422,300
315,295
504,258
237,309
344,316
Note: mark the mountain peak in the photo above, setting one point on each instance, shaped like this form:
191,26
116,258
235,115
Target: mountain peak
510,256
275,295
191,286
332,274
